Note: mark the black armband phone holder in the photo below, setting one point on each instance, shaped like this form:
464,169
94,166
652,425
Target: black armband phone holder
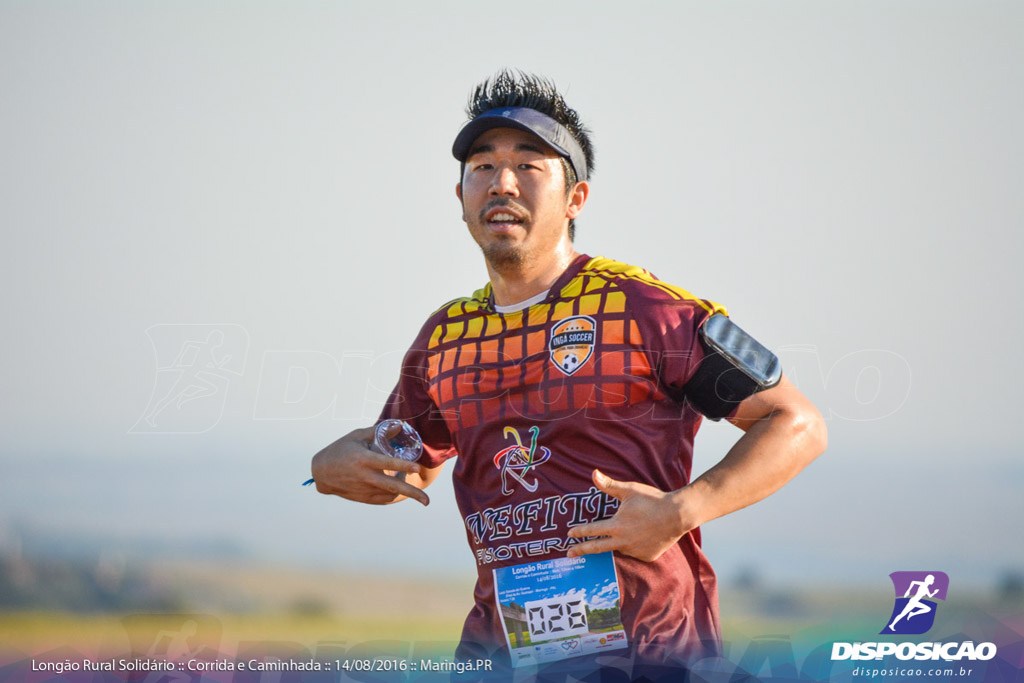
735,367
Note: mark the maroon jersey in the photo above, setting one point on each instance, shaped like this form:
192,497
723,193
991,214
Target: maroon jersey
532,402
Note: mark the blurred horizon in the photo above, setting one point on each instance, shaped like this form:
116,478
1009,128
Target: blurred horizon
175,510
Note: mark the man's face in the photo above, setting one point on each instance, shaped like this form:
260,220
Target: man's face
514,198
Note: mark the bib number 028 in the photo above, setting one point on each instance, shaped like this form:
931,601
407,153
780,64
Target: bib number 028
556,617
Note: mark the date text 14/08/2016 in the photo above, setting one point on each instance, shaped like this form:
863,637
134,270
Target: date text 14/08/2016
406,665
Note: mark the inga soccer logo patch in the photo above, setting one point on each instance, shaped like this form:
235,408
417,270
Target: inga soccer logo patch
572,342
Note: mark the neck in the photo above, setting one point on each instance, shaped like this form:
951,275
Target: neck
518,283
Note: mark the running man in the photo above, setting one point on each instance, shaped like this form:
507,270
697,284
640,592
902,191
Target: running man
600,373
915,606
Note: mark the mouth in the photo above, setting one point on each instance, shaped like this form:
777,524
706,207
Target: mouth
503,218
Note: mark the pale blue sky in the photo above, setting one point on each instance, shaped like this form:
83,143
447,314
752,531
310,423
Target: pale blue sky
844,176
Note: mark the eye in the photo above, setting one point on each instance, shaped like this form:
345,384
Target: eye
528,167
482,167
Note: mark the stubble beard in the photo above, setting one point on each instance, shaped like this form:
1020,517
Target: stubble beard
504,256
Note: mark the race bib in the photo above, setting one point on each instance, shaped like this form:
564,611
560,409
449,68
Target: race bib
561,608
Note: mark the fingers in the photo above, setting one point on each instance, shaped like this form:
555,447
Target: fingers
598,545
364,437
386,462
373,487
613,487
399,487
605,527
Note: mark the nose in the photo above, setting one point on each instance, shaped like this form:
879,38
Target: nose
504,183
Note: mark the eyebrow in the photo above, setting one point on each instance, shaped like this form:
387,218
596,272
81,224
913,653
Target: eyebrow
520,147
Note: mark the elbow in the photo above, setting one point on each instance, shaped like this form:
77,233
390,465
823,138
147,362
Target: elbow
807,432
811,432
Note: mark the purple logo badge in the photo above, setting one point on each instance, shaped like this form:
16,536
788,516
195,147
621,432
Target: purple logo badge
916,592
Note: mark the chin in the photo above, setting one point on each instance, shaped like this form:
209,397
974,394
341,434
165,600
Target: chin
503,256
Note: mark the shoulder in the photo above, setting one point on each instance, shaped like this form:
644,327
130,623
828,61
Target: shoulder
641,289
450,318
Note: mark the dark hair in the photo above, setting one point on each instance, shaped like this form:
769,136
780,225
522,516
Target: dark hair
509,88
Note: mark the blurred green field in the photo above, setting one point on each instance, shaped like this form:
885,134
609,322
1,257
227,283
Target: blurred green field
99,635
235,605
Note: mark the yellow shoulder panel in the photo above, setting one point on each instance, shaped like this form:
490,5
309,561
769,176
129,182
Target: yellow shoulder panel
616,270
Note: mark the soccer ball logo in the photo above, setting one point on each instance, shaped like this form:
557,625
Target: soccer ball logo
570,362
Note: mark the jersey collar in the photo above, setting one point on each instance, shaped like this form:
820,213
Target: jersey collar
554,291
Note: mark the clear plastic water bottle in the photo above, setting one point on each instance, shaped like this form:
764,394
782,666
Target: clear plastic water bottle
398,439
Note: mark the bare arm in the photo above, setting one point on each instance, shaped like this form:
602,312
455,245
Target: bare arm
348,468
784,432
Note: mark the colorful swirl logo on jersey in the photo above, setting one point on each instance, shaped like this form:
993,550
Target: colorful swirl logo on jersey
517,460
572,342
914,612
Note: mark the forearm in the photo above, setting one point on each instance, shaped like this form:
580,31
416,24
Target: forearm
773,450
783,432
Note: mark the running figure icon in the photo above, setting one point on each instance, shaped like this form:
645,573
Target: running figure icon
915,606
195,365
917,594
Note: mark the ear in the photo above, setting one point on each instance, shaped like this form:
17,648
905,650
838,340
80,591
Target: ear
577,199
458,193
